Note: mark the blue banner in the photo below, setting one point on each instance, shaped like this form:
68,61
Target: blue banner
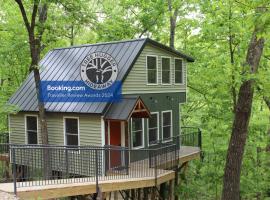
78,91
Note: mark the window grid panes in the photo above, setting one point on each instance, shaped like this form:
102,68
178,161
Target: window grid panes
152,69
137,132
178,74
72,131
31,129
166,70
153,129
167,125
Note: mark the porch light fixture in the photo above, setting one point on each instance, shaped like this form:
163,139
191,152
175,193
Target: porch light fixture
170,98
153,100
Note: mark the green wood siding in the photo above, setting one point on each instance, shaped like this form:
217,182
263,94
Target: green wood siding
90,128
136,81
163,102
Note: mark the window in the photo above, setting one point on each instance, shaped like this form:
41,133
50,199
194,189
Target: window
151,69
166,70
137,132
71,131
31,130
166,125
153,127
178,74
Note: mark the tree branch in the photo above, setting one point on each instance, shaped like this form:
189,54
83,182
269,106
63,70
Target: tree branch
25,19
34,14
198,91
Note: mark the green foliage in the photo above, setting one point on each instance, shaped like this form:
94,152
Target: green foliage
205,29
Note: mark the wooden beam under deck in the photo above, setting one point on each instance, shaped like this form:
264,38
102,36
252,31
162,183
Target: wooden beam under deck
72,189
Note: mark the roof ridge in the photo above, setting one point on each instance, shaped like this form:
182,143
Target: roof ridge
101,43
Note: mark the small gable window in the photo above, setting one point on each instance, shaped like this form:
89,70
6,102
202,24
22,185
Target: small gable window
151,62
166,70
137,132
178,73
31,129
71,131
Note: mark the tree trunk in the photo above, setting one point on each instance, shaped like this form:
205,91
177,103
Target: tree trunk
35,49
173,18
233,84
231,180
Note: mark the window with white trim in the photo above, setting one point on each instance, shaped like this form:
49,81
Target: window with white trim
71,131
178,71
137,132
32,129
153,124
166,70
151,63
166,125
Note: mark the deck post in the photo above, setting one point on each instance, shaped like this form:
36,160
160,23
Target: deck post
14,170
66,155
156,170
96,162
200,138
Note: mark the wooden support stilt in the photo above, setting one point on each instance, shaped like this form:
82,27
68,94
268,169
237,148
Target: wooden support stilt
176,182
145,197
163,190
171,190
132,193
153,193
115,195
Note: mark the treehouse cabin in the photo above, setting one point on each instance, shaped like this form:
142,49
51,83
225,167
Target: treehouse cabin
136,136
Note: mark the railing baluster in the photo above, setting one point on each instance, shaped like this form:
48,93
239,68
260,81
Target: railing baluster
96,164
14,170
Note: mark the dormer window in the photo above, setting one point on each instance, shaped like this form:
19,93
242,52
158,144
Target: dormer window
178,72
151,64
165,70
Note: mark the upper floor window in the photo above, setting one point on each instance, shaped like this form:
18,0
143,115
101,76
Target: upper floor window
71,131
166,125
31,129
178,71
151,62
153,127
166,70
137,132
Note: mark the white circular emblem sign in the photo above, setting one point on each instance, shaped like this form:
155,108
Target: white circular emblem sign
99,70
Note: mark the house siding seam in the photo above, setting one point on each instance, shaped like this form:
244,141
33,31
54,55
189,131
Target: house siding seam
90,128
136,81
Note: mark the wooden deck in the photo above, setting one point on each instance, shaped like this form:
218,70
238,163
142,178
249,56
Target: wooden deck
78,186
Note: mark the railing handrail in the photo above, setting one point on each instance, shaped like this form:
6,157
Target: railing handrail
82,147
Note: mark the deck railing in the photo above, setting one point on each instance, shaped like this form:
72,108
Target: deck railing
191,136
45,165
36,165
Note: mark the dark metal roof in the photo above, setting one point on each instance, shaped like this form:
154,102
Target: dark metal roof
121,110
62,65
124,110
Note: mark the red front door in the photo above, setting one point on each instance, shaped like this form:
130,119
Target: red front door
115,140
115,133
